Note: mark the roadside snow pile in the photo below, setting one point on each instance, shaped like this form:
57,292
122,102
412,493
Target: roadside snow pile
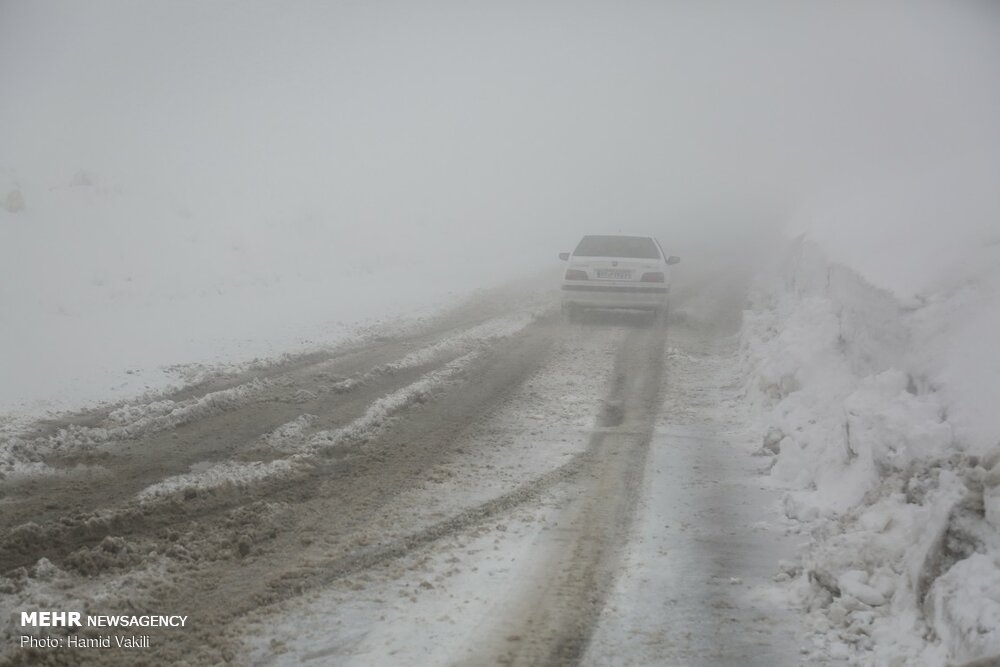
879,414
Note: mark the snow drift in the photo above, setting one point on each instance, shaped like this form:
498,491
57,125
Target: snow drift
876,409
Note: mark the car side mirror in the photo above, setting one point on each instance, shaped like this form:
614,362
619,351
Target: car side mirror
673,259
564,256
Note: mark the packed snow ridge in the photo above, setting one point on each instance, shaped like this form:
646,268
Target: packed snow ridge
21,456
298,438
874,408
292,436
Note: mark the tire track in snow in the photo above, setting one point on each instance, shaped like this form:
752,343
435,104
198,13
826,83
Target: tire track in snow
103,433
375,420
64,533
551,621
333,500
573,580
292,435
325,573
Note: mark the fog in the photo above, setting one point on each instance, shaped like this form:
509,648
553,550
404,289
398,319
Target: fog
506,129
263,262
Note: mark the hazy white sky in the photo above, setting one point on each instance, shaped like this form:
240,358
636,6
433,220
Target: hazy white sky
479,121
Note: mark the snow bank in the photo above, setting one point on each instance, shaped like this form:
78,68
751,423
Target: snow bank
875,407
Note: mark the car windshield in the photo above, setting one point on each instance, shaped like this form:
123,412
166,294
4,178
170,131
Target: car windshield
617,246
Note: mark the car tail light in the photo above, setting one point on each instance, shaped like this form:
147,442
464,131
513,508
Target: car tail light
652,277
575,274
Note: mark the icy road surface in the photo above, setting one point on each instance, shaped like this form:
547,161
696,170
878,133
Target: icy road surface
497,487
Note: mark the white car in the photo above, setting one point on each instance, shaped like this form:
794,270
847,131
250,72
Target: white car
616,272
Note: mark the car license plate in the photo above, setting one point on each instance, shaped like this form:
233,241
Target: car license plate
614,274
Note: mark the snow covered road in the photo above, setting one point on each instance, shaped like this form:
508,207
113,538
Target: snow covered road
695,586
497,487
